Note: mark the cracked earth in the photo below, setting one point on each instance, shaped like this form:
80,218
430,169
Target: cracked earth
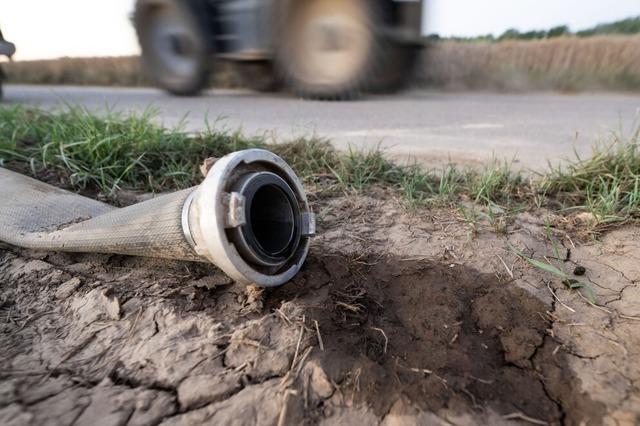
396,319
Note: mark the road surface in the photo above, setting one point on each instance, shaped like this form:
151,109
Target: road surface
428,126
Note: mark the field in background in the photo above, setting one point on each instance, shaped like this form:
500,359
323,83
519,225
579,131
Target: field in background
565,63
98,71
109,71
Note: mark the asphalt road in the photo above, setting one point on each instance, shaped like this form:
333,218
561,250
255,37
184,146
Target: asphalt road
429,126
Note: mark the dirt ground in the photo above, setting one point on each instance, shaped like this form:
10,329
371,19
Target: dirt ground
396,319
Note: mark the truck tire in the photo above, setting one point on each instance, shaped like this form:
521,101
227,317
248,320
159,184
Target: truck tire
174,48
329,49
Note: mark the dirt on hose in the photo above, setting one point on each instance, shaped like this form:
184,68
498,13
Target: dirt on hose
396,319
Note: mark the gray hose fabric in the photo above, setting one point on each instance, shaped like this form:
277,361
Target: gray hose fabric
250,217
36,215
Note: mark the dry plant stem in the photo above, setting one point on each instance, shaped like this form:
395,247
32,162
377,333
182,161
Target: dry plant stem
509,271
386,339
555,296
295,355
524,417
282,419
319,335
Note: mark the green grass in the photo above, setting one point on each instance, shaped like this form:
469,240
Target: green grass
111,152
606,185
104,154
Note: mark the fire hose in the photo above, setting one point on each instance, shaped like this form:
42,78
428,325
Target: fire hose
249,217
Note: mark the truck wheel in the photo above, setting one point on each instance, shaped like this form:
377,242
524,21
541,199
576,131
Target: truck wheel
329,49
174,49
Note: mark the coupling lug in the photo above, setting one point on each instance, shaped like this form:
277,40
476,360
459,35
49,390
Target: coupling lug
308,224
235,206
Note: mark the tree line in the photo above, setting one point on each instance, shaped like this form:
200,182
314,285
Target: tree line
625,26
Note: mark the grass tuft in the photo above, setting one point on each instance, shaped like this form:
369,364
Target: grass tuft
110,152
606,185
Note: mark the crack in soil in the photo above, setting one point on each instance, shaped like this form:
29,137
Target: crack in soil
442,326
445,337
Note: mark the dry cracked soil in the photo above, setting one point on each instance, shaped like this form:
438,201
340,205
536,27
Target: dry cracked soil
396,319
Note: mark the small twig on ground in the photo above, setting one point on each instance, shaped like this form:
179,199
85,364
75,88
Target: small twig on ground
282,419
593,304
629,317
353,308
295,355
249,342
428,372
356,380
474,401
386,339
521,416
553,293
483,381
319,336
509,271
303,358
135,322
283,316
241,367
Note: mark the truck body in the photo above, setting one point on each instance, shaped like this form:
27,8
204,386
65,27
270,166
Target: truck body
332,49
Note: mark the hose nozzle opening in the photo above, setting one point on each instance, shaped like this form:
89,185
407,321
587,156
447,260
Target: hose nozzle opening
271,232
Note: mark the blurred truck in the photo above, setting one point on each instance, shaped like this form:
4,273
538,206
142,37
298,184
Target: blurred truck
6,49
325,49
